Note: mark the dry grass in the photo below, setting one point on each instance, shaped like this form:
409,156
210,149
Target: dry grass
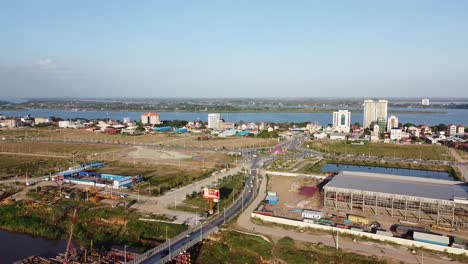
159,139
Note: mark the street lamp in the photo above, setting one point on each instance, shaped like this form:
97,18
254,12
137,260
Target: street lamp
125,254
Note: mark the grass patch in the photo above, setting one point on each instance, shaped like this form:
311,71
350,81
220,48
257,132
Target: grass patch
424,151
13,165
229,188
233,247
305,253
158,178
104,225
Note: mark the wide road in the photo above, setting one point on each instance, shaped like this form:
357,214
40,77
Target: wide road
246,196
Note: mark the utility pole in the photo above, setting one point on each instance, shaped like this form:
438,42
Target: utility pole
337,240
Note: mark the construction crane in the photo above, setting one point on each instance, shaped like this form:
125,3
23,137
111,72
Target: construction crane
70,238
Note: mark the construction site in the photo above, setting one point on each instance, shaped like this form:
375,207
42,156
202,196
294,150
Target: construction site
405,198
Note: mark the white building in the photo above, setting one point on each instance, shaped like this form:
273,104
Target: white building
425,101
395,134
150,118
373,110
461,130
451,129
312,214
64,124
10,123
213,121
392,123
338,136
41,120
342,121
320,135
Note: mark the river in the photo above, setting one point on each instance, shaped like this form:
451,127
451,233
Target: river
444,116
396,171
18,246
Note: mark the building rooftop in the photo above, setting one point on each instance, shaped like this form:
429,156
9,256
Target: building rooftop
400,185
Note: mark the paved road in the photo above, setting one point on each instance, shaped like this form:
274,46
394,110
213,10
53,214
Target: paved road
397,253
246,196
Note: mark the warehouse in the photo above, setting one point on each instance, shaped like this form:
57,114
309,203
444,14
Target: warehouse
403,197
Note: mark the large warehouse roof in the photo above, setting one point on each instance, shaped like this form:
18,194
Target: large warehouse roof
400,185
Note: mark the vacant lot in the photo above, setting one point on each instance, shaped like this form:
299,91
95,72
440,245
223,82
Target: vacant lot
425,151
159,178
288,189
159,139
233,247
57,149
32,166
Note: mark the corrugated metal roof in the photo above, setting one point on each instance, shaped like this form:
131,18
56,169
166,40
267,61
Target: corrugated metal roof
401,185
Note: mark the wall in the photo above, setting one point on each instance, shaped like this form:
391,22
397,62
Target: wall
404,242
290,174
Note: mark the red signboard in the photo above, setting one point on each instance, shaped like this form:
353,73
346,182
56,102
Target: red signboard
210,194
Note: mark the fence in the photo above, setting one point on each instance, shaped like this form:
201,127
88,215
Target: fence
400,241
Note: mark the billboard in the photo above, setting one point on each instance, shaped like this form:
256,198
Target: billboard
210,194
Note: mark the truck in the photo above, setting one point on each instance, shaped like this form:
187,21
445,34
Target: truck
358,219
431,238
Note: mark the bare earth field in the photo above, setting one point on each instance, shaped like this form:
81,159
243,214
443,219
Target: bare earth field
288,189
159,139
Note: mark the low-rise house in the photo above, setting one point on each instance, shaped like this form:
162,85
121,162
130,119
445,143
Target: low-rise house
338,136
460,130
9,123
395,134
320,135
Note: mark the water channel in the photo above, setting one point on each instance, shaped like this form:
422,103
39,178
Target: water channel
16,246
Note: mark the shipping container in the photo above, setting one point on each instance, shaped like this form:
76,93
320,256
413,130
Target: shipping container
358,219
312,214
341,226
430,238
325,221
267,213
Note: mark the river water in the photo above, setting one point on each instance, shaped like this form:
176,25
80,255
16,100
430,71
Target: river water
14,247
402,172
444,116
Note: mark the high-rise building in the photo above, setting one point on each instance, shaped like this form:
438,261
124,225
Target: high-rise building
425,101
150,118
392,123
381,122
373,110
342,121
213,121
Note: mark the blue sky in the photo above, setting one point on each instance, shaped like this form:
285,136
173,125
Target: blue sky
233,48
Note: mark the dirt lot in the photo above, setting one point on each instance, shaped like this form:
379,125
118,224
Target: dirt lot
161,139
288,189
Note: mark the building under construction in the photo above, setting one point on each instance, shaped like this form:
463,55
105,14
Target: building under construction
423,200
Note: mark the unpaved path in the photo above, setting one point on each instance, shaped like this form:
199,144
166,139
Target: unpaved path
395,253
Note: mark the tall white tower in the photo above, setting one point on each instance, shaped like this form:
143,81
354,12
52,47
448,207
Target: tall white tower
373,110
342,121
213,121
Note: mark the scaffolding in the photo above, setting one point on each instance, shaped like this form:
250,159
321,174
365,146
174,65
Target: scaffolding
420,209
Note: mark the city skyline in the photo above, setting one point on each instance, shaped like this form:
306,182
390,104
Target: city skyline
242,49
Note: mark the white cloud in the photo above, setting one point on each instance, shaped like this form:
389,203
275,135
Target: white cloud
44,64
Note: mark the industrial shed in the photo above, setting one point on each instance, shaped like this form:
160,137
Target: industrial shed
404,197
